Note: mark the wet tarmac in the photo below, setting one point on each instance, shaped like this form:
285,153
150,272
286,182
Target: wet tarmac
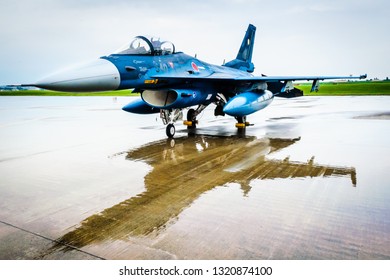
81,179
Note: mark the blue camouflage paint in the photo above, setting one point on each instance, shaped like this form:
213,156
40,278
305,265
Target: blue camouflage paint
248,103
171,81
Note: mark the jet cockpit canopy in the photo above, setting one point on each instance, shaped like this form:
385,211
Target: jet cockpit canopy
141,45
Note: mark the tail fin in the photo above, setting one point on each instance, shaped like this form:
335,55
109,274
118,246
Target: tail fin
243,60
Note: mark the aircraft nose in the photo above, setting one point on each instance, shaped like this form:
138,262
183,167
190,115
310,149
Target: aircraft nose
98,75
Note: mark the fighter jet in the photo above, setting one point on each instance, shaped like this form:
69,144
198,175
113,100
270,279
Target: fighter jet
170,81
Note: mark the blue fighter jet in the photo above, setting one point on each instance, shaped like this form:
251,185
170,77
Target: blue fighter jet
169,81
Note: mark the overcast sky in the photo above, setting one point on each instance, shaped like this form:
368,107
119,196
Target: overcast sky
300,37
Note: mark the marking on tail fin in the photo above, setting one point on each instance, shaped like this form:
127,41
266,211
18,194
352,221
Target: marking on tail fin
243,60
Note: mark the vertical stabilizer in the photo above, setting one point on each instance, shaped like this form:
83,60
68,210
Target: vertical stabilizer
243,60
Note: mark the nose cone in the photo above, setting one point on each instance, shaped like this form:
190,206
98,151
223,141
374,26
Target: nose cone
98,75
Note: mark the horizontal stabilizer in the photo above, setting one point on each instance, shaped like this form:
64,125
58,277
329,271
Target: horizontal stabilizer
277,89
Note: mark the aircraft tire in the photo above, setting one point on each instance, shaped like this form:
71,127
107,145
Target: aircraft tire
170,130
191,117
190,114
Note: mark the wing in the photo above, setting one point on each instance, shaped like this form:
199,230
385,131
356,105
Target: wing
298,78
233,79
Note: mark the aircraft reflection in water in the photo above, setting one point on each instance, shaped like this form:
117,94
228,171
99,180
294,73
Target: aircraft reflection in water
176,181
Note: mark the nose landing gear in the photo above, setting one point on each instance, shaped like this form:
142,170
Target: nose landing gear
169,117
170,130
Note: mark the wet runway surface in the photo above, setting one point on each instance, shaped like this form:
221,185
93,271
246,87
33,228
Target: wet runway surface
81,179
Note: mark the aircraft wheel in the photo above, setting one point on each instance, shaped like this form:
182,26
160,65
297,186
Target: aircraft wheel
191,117
170,130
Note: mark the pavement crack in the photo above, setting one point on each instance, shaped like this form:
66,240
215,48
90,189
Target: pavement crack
51,239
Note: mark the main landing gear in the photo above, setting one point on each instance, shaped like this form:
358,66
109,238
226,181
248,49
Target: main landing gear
191,121
169,117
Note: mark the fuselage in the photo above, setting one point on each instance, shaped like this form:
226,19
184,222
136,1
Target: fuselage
139,72
170,81
121,71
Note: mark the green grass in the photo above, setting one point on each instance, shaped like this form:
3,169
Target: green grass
326,89
348,88
59,93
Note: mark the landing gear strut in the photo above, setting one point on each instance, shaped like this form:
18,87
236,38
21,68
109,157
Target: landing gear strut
241,125
191,121
169,117
221,102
